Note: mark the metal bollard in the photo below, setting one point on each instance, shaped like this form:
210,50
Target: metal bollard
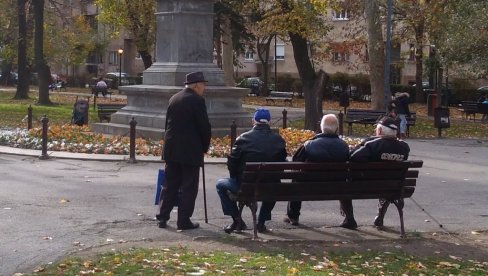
233,133
132,146
94,102
29,117
45,122
341,123
284,118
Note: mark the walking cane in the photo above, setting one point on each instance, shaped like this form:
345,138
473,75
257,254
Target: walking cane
204,193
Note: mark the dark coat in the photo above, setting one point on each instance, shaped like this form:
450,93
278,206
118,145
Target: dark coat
260,144
323,148
401,104
188,130
380,149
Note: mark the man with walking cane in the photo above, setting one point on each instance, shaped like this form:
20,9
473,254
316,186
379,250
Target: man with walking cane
187,139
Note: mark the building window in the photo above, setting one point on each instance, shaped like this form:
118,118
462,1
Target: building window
280,52
341,15
366,53
249,55
113,58
340,57
411,52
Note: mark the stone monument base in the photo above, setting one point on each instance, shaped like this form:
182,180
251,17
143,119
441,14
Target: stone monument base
148,104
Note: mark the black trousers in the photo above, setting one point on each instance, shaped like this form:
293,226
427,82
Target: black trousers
184,177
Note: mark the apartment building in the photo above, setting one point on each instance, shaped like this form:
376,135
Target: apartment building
353,60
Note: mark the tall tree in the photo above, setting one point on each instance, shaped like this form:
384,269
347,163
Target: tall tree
43,70
23,81
376,53
136,17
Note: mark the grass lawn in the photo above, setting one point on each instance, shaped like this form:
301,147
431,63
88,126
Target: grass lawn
180,261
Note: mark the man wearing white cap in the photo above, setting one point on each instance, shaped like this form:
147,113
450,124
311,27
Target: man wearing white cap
385,146
260,144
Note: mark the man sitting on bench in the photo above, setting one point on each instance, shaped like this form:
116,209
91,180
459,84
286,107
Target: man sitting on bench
385,146
260,144
101,87
324,147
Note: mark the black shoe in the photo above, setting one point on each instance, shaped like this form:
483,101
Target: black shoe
238,226
188,226
262,228
162,223
291,221
349,224
378,221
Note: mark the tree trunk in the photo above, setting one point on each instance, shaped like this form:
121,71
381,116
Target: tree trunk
419,69
23,81
227,52
312,84
376,50
262,47
43,71
146,58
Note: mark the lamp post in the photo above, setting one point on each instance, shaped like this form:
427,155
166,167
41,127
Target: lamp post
120,51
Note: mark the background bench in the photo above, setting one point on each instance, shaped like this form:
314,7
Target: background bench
301,181
471,108
105,110
370,117
287,97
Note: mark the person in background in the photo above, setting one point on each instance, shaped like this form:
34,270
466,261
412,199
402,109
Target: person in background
324,147
260,144
401,102
101,86
186,140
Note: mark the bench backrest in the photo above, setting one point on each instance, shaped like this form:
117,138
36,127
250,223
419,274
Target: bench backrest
469,105
303,181
281,94
363,115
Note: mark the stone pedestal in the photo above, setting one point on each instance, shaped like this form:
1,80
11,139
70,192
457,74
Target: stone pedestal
184,44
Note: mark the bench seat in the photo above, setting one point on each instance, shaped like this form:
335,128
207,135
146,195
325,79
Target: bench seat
287,97
370,117
302,181
106,110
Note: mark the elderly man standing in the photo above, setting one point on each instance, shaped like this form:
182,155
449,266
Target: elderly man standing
260,144
324,147
383,147
187,139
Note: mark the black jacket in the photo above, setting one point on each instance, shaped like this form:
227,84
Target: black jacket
401,104
260,144
381,149
323,148
188,130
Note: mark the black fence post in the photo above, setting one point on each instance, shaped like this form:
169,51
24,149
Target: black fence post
132,146
341,123
29,117
45,127
285,118
233,133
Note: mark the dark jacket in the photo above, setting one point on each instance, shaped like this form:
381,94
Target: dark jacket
260,144
188,130
380,149
401,104
323,148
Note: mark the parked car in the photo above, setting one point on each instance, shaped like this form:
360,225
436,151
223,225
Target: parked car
14,77
254,83
112,79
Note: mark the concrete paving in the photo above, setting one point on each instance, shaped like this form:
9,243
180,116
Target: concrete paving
71,202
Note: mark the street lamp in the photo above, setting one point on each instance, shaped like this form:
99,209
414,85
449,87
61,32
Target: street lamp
120,51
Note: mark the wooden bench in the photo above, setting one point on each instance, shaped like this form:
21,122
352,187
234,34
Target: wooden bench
106,110
287,97
301,181
370,117
470,109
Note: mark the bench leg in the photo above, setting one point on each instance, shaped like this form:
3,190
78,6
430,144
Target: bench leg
254,208
399,203
349,129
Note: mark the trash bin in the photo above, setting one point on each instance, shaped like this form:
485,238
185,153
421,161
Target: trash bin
431,103
80,113
441,117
